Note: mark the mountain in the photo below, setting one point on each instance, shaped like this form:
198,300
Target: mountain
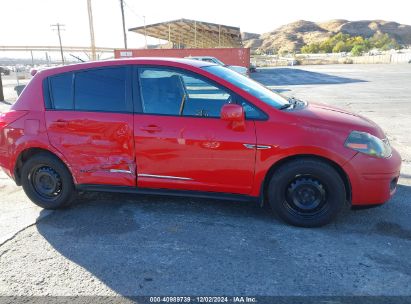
291,37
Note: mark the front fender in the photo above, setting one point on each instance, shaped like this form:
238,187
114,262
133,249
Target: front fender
269,158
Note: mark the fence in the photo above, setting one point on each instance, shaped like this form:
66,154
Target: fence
307,59
13,84
385,58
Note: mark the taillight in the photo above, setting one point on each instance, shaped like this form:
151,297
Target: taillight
10,117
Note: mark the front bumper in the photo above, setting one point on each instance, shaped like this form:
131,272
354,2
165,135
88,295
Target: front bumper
373,180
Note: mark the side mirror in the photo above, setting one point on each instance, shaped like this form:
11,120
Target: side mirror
234,114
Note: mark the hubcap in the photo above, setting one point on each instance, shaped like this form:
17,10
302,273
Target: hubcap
306,195
46,182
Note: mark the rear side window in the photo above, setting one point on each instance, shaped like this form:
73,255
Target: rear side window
61,92
101,90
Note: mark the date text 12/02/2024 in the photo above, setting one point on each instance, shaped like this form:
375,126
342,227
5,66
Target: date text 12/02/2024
203,299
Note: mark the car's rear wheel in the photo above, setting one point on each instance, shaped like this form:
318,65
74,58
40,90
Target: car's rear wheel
306,192
47,181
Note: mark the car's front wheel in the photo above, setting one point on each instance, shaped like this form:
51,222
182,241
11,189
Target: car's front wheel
47,181
306,192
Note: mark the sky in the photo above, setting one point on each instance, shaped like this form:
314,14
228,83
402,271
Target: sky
27,22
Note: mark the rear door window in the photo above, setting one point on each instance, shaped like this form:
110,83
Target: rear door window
103,90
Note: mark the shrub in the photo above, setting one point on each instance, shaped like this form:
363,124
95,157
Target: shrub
356,45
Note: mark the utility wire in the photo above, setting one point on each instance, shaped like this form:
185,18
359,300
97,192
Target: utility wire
133,11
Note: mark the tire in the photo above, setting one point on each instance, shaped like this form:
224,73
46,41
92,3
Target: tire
47,181
306,193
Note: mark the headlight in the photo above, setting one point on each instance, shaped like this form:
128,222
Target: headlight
368,144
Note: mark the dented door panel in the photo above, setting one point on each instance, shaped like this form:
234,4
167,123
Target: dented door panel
99,146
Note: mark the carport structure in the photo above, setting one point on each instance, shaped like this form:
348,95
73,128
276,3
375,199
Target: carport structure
186,33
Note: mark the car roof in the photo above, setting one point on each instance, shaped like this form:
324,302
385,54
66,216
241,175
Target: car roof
166,61
209,57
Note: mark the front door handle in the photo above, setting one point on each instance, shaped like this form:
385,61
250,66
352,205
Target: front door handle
151,128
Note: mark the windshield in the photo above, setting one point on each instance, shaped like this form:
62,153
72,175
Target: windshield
215,60
250,86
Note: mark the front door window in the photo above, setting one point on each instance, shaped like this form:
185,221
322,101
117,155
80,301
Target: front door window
170,92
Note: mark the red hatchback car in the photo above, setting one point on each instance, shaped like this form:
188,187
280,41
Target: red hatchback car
182,127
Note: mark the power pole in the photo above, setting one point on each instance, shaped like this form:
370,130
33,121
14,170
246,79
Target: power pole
32,58
47,59
145,30
59,29
1,89
90,23
124,23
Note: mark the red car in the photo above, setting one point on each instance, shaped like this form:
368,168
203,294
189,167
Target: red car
192,128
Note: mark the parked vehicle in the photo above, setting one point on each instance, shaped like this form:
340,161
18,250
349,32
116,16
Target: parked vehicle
4,71
239,69
252,68
191,128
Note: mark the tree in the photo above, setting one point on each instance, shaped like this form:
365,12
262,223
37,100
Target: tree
340,47
358,40
312,48
346,43
358,49
383,42
326,46
340,37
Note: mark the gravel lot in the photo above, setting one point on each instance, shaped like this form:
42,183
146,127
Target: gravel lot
147,245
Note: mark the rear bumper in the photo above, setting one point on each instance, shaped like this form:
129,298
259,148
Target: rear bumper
5,160
5,168
373,180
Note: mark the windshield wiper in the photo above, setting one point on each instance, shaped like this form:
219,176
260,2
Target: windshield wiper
285,106
295,102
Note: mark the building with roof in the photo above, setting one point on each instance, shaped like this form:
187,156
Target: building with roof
186,33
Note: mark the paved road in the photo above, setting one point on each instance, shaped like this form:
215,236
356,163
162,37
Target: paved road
146,245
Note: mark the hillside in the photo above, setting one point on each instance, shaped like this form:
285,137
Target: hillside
291,37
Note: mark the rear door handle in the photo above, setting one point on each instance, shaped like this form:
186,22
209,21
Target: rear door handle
61,123
151,128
